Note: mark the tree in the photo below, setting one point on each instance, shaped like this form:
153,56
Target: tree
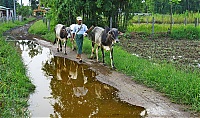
34,4
24,10
99,12
7,3
93,12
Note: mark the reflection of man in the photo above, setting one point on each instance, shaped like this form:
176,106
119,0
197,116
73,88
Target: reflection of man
80,91
79,31
76,73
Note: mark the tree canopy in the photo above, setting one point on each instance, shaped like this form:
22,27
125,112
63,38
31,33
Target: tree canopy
100,12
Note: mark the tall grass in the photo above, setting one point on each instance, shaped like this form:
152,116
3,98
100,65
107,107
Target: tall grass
147,28
179,31
165,18
186,32
183,25
179,85
15,86
41,28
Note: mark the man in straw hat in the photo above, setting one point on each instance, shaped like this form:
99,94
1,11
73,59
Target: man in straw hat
80,30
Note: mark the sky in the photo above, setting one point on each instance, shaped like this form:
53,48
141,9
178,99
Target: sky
25,2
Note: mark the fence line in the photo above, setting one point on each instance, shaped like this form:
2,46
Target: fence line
5,19
185,21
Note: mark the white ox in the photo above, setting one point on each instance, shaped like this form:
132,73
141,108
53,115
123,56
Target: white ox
62,34
104,38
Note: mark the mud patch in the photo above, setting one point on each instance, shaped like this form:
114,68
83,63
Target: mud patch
179,52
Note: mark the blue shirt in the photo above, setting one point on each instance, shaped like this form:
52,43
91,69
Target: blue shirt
81,31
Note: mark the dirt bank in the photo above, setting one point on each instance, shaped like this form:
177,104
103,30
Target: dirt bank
155,103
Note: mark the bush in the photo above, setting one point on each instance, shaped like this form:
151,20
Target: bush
189,32
41,28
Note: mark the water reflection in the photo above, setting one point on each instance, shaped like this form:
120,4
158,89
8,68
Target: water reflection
70,89
77,93
33,48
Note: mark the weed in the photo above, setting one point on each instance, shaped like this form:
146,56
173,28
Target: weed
15,86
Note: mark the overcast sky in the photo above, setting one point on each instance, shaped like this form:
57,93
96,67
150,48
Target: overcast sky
25,2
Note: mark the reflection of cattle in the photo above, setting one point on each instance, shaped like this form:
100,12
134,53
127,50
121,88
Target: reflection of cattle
104,38
73,72
72,96
62,34
76,73
59,67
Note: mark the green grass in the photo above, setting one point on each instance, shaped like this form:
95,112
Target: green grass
165,18
179,31
162,24
186,32
15,86
180,86
41,28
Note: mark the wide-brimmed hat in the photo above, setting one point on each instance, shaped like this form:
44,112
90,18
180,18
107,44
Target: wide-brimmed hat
78,18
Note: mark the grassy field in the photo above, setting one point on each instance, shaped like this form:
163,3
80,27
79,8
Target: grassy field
180,29
15,86
180,86
188,18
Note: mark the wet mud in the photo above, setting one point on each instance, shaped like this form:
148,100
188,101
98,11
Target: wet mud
154,103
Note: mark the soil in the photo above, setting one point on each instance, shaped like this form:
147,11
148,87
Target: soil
155,103
182,53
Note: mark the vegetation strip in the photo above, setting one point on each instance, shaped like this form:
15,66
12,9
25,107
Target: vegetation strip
179,85
15,86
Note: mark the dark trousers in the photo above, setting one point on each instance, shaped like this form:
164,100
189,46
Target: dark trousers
79,43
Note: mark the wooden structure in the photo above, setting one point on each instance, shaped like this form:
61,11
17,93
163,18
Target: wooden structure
6,13
38,11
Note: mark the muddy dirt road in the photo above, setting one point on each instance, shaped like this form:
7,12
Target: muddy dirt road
155,103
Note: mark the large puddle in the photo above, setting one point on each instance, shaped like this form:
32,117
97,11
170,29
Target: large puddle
65,88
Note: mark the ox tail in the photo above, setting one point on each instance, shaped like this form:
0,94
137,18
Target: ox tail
55,41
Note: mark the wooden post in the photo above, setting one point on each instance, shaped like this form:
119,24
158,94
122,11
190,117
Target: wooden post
196,23
139,19
153,27
48,24
185,21
111,22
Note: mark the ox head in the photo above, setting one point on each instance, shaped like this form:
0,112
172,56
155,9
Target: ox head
112,35
64,33
68,30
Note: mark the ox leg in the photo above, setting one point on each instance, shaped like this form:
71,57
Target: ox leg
103,54
73,45
97,49
60,43
57,41
92,54
65,46
111,58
